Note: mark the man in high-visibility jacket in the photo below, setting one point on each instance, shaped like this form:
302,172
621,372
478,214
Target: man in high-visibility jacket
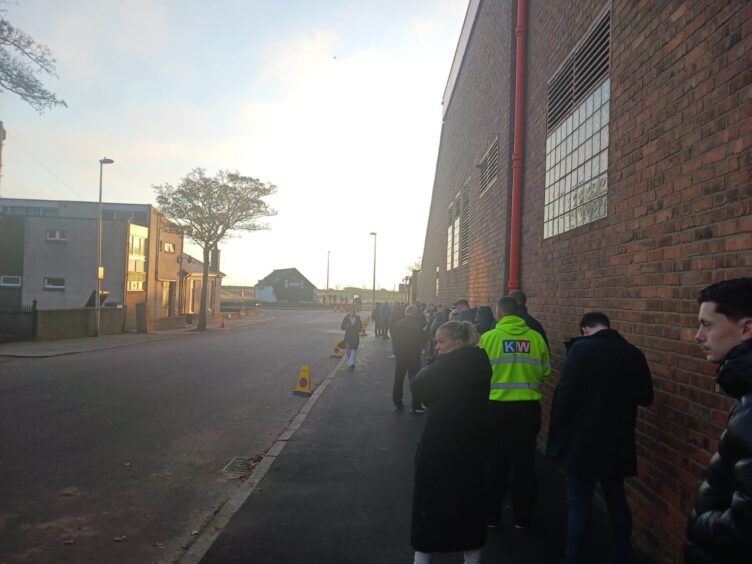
521,363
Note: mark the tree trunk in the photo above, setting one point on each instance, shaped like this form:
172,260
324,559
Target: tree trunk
204,287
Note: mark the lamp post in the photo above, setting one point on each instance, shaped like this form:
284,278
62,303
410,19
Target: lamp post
373,295
100,270
327,270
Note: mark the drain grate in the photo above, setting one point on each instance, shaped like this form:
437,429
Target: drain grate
240,466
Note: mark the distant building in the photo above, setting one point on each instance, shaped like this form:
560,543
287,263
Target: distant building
191,275
50,255
285,285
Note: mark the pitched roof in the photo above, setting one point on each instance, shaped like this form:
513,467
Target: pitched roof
192,265
282,273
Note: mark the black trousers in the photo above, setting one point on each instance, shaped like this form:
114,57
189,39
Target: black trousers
512,430
411,366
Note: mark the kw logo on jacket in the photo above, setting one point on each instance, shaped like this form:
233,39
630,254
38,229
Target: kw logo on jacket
516,346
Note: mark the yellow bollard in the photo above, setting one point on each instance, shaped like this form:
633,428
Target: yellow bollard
303,388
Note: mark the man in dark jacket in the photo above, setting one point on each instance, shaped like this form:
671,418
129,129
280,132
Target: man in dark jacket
593,416
520,297
398,313
408,337
720,527
463,312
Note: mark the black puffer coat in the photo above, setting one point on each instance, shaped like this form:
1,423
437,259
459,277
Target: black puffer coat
448,502
720,527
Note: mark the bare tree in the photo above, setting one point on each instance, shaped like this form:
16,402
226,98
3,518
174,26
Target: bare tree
21,61
209,208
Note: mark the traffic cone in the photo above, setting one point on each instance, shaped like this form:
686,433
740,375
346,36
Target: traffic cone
337,351
303,388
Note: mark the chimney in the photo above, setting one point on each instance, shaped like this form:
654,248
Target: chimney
214,259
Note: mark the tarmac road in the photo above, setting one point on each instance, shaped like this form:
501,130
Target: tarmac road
117,455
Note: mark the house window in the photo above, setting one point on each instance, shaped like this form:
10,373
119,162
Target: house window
54,283
169,247
10,281
56,235
136,277
489,166
437,281
138,245
576,187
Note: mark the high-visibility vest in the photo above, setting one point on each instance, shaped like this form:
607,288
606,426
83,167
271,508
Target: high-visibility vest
520,360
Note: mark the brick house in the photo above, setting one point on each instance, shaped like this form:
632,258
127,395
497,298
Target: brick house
635,194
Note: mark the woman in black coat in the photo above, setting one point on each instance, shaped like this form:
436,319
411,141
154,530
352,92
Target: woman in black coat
449,498
352,326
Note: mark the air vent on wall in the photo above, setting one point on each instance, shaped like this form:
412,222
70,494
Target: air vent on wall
585,69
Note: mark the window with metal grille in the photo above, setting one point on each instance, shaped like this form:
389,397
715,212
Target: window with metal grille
489,166
577,144
465,226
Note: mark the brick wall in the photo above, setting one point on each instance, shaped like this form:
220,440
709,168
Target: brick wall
679,212
470,126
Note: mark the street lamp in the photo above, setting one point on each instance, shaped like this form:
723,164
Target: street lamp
327,270
373,296
100,270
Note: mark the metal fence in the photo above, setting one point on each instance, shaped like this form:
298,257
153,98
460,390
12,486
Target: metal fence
18,322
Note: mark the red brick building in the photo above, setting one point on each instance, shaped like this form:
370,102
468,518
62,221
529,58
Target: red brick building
635,194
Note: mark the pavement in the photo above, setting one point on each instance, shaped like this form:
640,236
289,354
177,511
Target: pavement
43,349
336,487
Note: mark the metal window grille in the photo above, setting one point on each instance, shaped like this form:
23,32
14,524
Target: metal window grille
450,239
576,183
585,68
465,226
489,166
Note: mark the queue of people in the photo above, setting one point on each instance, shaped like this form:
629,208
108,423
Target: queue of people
481,386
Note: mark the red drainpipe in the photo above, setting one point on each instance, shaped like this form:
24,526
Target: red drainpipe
519,148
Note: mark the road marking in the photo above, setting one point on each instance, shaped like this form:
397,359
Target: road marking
212,528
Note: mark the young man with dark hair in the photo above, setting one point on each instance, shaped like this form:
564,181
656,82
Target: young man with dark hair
719,530
462,311
592,427
520,362
520,297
